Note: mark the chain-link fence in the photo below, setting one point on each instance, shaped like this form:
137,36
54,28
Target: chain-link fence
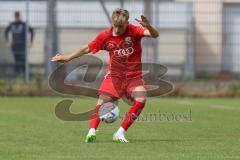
196,37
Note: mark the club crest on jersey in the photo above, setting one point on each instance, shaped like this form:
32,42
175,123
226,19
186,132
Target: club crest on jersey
128,39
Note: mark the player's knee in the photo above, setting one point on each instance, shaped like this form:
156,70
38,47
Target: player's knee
140,94
100,102
104,99
141,99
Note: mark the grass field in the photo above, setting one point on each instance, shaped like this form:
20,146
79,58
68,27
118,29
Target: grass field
30,130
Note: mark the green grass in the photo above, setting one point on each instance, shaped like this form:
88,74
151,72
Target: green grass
29,129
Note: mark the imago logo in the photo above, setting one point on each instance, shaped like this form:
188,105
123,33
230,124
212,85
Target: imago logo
152,80
125,48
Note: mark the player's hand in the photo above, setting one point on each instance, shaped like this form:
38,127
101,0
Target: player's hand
144,21
60,58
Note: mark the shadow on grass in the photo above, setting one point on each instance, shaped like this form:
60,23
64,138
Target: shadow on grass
156,140
145,140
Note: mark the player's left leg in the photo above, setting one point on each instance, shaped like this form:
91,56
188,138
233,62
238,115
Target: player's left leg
139,97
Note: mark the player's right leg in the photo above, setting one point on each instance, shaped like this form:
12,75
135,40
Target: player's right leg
109,92
95,120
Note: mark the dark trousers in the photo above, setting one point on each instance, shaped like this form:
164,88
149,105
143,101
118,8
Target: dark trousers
20,60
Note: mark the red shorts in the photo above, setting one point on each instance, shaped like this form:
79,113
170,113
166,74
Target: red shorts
116,86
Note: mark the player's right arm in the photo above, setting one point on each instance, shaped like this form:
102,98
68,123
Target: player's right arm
65,58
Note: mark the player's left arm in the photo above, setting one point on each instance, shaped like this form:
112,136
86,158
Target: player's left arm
149,31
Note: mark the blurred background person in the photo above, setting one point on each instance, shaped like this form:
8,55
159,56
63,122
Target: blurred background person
18,41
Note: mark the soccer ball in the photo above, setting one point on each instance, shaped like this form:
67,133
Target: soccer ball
108,112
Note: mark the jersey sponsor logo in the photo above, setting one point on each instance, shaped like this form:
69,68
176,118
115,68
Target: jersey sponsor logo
125,52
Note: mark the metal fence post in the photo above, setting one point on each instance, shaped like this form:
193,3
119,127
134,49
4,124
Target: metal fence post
26,74
51,38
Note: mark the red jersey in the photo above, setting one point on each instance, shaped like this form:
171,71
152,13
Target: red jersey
125,51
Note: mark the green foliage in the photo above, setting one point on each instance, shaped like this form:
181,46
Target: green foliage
197,88
234,88
19,87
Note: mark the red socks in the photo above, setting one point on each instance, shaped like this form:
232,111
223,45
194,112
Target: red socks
132,114
95,120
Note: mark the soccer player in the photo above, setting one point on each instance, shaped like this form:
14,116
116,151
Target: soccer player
124,74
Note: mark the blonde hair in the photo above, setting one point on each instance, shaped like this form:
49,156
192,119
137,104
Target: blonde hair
119,16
